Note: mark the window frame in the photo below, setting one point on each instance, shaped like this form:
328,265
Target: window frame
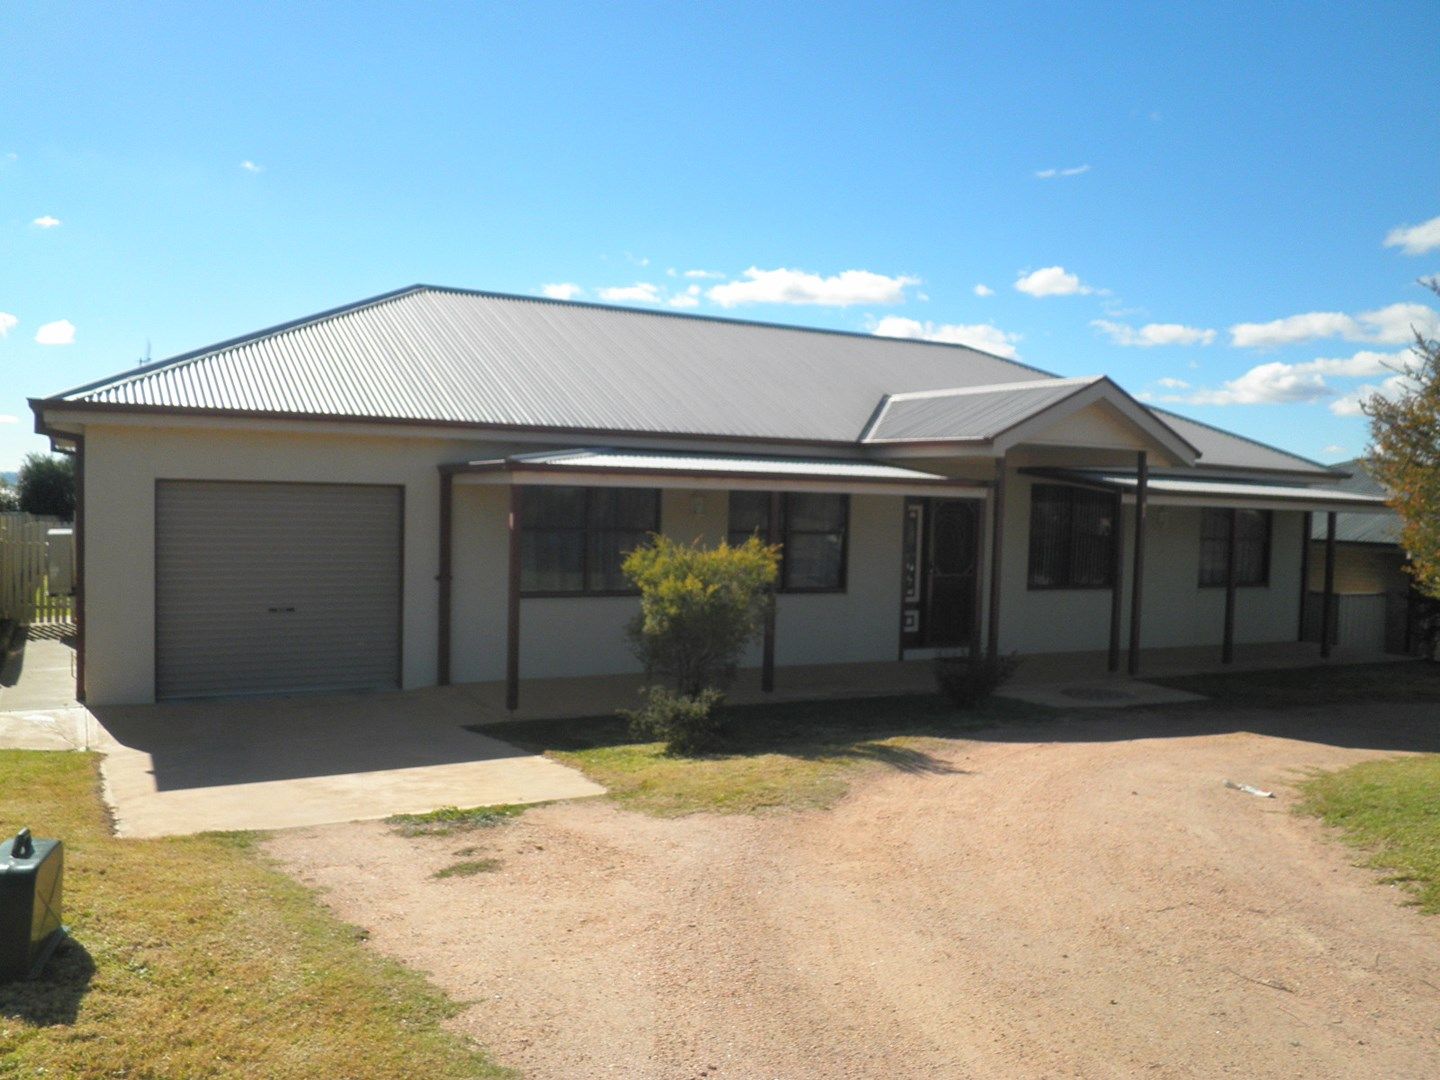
587,532
785,532
1268,540
1072,493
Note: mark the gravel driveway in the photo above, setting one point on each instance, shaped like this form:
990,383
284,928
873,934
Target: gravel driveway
1084,898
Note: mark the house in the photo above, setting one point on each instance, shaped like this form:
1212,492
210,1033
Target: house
1374,604
437,485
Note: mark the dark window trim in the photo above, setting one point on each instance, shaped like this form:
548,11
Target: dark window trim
586,532
1071,491
1264,582
785,532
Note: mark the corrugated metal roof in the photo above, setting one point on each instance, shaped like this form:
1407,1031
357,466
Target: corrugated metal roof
1232,489
450,356
975,412
643,461
1227,450
427,354
1360,528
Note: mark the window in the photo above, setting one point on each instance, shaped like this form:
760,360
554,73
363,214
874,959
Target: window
812,533
1252,552
573,540
1072,538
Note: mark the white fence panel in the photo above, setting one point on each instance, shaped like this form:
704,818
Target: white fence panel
25,590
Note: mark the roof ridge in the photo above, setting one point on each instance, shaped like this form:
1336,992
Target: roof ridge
729,321
1242,438
987,388
243,339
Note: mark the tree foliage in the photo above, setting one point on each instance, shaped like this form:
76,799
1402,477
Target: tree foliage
47,485
9,497
699,607
1405,455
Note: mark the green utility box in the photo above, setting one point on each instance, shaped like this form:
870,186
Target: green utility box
31,878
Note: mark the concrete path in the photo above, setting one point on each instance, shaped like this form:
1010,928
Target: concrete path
273,763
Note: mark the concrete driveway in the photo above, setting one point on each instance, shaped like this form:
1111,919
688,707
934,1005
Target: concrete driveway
274,763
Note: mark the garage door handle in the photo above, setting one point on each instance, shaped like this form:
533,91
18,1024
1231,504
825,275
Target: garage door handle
279,610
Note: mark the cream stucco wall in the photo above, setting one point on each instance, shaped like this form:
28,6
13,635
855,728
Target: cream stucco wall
585,635
1176,610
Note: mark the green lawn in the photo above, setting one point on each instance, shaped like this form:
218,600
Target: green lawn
784,756
193,958
1391,811
1340,684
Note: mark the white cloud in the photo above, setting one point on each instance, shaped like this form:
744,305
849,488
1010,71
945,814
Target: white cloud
1385,326
684,300
1415,239
250,166
1050,174
1051,281
1153,334
46,222
984,290
1268,384
1173,384
1279,383
8,322
60,332
982,336
783,286
561,290
8,419
703,274
1350,404
642,292
1333,450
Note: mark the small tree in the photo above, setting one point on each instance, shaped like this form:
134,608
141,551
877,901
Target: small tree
1405,456
699,607
47,485
9,497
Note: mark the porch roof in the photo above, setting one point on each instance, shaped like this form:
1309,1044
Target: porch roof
1174,491
608,467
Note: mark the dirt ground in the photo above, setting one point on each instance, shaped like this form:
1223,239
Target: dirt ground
1079,899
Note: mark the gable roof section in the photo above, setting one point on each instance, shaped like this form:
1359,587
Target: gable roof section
1360,528
1009,413
450,356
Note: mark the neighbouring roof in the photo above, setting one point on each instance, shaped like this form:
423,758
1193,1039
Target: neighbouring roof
449,356
582,461
1360,528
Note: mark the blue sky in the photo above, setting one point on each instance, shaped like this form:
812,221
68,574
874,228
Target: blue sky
1197,203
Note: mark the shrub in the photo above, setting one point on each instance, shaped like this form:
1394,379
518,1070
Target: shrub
699,607
970,680
687,724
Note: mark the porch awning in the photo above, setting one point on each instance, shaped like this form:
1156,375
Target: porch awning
1177,491
629,468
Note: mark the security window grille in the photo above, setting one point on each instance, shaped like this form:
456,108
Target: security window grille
573,539
1252,552
813,531
1072,538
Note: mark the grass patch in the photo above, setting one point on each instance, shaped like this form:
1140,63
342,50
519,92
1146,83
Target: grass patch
1391,810
193,957
468,868
1308,687
787,756
449,820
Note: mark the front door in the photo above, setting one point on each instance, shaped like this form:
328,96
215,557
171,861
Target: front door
942,558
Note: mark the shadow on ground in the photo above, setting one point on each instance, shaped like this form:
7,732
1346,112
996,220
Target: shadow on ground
55,997
239,741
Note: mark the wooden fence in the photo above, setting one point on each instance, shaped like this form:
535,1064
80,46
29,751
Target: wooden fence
25,557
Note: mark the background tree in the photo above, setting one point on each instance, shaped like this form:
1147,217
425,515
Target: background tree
47,485
1405,455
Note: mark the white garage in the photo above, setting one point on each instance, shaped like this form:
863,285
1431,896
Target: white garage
266,588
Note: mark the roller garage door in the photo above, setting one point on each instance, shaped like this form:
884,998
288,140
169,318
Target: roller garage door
268,588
